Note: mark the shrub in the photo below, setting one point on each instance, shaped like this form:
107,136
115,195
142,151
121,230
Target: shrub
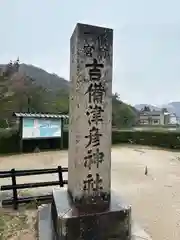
165,139
65,139
9,140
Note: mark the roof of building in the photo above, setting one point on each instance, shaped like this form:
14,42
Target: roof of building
40,115
153,113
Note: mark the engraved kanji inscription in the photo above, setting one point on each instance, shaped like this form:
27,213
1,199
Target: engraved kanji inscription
94,114
96,93
88,49
91,184
103,46
95,70
93,137
98,157
93,158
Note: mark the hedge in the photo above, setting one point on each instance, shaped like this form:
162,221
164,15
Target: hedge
165,139
9,140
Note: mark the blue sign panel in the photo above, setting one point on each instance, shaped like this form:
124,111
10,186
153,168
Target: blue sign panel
41,128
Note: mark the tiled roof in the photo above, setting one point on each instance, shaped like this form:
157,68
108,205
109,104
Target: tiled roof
40,115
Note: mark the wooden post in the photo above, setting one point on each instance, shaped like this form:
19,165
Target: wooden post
15,197
62,134
21,135
61,183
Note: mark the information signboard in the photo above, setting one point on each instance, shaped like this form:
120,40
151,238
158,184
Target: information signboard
41,128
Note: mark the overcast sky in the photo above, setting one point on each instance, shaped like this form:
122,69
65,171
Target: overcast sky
146,41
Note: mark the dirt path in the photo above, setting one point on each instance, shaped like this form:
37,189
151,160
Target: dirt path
155,198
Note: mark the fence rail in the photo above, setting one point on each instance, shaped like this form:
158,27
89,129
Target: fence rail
13,174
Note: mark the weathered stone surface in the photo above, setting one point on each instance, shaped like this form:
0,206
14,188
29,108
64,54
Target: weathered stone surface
69,223
45,230
90,112
46,233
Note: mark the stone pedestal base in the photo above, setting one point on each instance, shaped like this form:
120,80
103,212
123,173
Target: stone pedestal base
69,223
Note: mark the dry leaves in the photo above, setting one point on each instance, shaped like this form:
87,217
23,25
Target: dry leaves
17,225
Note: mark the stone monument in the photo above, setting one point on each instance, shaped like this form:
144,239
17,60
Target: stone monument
88,210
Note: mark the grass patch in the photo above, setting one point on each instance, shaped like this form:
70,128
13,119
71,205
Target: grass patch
10,225
21,224
16,225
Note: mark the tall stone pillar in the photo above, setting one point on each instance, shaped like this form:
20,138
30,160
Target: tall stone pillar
88,210
90,112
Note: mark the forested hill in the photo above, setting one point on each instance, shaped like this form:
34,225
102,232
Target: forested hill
43,78
29,86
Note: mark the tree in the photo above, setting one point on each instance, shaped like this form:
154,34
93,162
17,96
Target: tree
6,74
19,92
6,89
61,104
146,109
123,115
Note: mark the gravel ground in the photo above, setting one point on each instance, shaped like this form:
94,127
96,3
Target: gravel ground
155,198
